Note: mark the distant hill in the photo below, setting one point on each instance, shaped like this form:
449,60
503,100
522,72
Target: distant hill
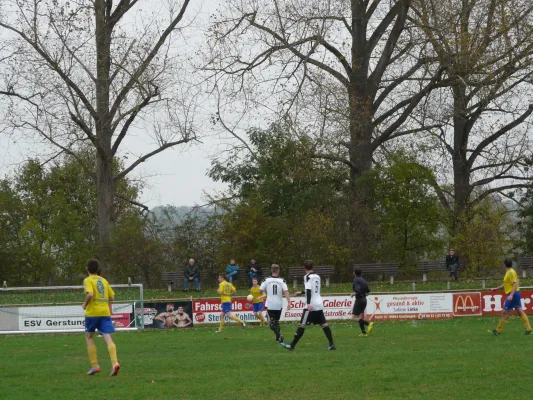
170,216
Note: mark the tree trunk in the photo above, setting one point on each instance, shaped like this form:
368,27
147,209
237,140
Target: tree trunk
461,170
104,159
106,194
362,226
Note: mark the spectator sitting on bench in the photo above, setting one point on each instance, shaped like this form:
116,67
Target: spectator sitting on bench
191,273
232,270
452,263
253,270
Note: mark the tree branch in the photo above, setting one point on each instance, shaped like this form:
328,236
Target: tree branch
497,134
151,154
144,65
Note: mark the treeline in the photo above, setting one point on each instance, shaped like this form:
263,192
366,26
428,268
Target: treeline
362,131
283,206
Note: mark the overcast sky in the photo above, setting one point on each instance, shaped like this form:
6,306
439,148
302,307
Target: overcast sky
176,176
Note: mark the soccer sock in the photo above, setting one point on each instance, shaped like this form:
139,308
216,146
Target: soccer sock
275,328
500,325
327,331
221,326
262,319
112,349
236,319
362,325
525,321
91,350
297,336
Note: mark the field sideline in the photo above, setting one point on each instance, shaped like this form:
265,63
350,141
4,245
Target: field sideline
450,359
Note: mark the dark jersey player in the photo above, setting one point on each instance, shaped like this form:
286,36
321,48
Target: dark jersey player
360,290
314,312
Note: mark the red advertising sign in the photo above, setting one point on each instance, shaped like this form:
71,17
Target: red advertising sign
121,320
492,302
467,304
208,311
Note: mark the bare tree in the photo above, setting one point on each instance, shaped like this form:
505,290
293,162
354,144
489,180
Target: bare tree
351,72
486,49
90,71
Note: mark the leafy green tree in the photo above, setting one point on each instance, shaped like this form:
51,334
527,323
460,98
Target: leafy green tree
48,222
408,211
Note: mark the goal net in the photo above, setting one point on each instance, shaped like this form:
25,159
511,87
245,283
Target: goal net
51,309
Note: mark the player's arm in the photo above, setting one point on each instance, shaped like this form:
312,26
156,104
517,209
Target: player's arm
188,319
88,298
497,288
288,297
308,299
161,316
356,287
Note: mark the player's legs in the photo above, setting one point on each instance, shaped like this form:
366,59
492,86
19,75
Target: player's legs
258,312
358,309
362,323
221,326
299,332
112,349
91,352
524,319
106,328
320,319
503,320
273,322
236,319
91,324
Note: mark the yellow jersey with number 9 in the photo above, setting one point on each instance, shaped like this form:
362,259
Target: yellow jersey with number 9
102,292
226,289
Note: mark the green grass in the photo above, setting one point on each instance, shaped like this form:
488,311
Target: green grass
451,359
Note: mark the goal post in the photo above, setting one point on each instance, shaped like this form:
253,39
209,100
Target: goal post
57,309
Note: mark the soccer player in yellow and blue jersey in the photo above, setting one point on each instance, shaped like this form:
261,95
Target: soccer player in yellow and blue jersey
226,290
512,300
258,301
98,294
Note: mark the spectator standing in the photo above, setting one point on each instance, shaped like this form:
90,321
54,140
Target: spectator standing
253,270
191,273
232,270
452,263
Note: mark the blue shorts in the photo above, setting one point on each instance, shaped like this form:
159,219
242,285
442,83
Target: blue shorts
103,324
514,303
258,307
226,307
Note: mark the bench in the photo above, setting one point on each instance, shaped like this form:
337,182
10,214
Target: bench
173,278
379,269
426,266
326,271
524,264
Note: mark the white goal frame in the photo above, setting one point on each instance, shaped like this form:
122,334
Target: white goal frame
137,303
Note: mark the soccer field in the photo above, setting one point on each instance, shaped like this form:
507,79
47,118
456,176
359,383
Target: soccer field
452,359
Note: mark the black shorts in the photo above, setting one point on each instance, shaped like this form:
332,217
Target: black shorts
359,305
313,317
274,315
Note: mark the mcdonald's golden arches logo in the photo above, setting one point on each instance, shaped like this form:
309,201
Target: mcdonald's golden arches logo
467,303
